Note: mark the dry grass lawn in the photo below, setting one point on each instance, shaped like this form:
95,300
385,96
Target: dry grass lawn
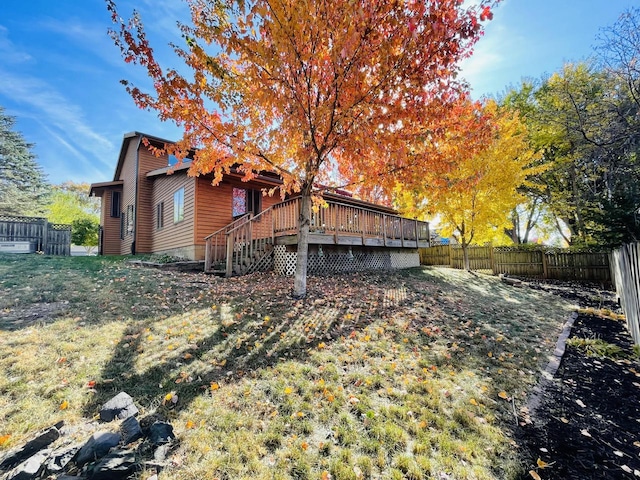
413,374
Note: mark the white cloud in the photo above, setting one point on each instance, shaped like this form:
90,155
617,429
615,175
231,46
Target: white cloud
8,51
59,113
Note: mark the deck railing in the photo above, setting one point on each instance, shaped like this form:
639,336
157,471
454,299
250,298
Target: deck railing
342,220
216,244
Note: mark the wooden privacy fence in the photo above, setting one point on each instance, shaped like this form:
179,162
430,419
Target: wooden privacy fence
625,267
558,264
42,236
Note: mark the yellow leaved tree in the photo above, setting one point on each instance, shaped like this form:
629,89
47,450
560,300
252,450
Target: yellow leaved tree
486,158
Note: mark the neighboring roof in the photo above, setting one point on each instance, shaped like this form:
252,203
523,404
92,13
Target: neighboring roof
97,189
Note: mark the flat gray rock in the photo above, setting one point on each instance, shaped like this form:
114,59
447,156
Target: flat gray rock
131,430
161,433
42,440
116,465
30,468
121,406
61,457
97,447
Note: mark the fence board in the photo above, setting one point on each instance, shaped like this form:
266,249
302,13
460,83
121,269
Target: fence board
49,238
625,268
525,262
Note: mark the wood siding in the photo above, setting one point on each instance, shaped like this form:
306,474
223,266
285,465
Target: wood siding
171,235
128,175
110,226
214,208
145,212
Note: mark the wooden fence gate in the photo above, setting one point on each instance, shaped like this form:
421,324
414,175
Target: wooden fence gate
41,236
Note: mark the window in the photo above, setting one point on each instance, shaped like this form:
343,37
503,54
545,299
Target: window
160,215
115,204
245,201
178,206
130,220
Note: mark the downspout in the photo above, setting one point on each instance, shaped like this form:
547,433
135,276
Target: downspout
135,199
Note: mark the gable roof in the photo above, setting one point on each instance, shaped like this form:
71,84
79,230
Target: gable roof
126,140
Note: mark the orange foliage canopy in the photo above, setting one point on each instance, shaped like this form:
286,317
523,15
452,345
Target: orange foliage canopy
300,86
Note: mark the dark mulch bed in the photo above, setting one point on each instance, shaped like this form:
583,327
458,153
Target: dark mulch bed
587,425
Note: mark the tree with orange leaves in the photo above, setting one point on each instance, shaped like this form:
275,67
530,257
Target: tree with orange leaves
299,87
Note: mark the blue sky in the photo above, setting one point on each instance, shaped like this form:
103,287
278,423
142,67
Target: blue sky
60,72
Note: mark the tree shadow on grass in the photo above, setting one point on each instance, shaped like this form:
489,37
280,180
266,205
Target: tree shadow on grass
266,326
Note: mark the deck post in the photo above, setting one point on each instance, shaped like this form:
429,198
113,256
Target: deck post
415,220
384,229
229,267
207,256
335,225
401,233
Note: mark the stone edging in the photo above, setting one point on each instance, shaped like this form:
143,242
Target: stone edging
552,367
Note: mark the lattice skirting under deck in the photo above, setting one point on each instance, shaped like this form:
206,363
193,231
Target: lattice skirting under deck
339,259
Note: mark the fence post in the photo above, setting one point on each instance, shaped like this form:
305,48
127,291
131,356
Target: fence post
491,260
545,264
45,236
450,255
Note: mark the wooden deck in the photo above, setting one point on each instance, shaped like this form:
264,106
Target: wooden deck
240,246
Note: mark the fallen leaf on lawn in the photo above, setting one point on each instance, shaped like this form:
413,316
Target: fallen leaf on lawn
626,469
541,463
325,475
91,383
564,420
189,424
490,354
534,475
304,445
585,432
473,402
64,405
503,395
618,453
636,443
214,386
170,398
581,403
4,439
288,391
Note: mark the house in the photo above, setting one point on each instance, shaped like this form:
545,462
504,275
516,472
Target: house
153,206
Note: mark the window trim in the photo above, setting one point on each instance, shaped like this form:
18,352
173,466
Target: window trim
178,205
160,216
115,205
131,220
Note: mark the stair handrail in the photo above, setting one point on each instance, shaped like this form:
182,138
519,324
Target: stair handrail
230,225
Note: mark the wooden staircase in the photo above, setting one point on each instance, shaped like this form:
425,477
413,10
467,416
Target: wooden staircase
244,246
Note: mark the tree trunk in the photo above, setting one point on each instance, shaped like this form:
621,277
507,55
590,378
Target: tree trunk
465,255
304,220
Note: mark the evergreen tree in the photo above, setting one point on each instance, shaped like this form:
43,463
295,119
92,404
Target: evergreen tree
23,186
